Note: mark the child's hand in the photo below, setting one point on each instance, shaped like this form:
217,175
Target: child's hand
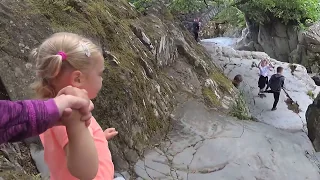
72,120
110,133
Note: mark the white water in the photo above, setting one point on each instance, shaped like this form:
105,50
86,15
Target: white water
221,41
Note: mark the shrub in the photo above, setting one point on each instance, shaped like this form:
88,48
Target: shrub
240,109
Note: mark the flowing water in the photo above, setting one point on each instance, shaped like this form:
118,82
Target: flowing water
221,41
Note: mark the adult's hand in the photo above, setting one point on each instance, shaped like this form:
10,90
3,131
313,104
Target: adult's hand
70,98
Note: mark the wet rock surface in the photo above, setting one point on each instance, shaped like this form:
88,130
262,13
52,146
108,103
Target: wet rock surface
205,145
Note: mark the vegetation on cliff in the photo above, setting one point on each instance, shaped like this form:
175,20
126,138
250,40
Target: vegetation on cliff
299,12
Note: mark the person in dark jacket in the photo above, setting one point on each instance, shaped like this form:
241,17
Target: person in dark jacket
276,83
196,28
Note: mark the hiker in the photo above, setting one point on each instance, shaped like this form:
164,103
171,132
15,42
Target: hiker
237,80
22,119
276,83
264,68
75,151
196,28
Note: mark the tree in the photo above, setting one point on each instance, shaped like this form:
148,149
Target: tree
288,11
260,11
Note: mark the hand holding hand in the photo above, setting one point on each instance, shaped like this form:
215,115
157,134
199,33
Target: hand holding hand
71,98
110,133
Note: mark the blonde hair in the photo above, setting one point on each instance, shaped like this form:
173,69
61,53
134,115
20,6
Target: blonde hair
49,63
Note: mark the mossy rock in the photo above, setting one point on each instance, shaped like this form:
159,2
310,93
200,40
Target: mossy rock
211,97
224,83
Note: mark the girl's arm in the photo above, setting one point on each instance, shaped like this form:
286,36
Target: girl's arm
270,65
259,65
81,153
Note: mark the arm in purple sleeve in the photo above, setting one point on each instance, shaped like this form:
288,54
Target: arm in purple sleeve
23,119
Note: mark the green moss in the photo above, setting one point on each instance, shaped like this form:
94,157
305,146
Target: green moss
311,94
223,82
210,96
167,15
15,175
152,121
139,137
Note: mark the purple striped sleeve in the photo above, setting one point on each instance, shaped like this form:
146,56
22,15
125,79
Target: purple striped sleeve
23,119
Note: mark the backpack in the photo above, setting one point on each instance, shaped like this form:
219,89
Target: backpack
276,82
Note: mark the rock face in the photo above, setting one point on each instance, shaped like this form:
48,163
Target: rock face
275,39
205,145
316,79
299,86
308,49
151,63
312,116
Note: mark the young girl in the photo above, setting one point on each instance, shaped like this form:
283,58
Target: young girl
75,152
264,68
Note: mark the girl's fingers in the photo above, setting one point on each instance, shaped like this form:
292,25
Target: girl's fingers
109,130
88,122
86,117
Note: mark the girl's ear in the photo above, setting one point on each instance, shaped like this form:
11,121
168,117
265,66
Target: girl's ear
77,79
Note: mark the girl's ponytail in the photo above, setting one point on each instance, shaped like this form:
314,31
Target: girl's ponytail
43,89
47,69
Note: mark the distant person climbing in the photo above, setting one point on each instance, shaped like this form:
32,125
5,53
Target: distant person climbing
196,28
237,80
264,68
276,83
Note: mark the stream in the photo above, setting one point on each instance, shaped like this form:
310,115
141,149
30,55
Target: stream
221,41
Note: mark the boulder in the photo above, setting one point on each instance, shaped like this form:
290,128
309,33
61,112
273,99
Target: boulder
308,49
313,122
316,80
275,39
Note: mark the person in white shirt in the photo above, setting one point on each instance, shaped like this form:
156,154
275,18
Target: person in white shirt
264,67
